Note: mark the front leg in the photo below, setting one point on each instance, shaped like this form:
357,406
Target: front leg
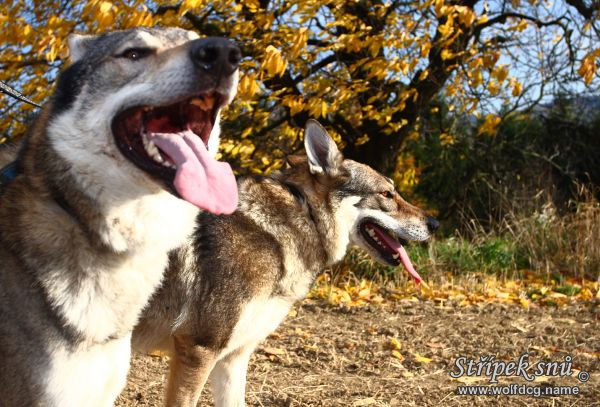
228,378
189,368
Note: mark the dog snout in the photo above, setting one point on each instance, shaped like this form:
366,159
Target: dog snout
432,224
214,55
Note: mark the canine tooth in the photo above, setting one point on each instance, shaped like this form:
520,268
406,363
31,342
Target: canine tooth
395,256
203,103
371,232
210,102
151,149
199,103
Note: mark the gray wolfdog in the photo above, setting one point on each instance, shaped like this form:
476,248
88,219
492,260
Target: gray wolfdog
233,283
108,180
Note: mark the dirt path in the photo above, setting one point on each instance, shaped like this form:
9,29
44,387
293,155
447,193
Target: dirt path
326,356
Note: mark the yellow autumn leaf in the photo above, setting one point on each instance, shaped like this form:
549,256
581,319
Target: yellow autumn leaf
252,5
521,26
105,7
248,86
517,88
299,42
397,355
446,54
490,124
500,73
425,48
588,66
157,353
447,28
422,359
274,63
446,139
490,59
466,16
493,87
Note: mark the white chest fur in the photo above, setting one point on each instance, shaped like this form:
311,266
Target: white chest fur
90,376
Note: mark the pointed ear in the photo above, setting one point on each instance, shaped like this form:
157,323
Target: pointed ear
323,155
78,45
294,160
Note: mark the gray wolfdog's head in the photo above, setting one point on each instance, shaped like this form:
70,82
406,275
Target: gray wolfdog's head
137,112
353,204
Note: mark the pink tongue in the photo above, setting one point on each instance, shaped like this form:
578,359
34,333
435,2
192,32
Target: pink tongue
398,248
200,179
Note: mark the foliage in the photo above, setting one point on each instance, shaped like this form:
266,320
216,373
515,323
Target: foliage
531,158
366,68
474,289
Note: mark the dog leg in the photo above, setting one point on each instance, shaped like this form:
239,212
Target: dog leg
228,378
189,369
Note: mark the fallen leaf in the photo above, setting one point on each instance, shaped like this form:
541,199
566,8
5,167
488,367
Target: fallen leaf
397,355
369,401
157,353
273,351
422,359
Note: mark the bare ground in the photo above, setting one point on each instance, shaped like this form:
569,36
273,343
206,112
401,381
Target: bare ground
328,356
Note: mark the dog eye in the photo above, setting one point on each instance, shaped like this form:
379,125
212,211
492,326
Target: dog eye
387,194
134,54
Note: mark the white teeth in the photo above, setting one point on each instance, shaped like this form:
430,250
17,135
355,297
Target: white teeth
395,256
373,235
203,103
152,150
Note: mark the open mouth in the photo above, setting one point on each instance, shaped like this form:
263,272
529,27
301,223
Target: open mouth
389,246
133,129
171,144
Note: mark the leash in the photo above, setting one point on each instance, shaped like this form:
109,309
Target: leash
8,90
10,171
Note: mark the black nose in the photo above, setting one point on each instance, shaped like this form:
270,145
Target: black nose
432,224
216,55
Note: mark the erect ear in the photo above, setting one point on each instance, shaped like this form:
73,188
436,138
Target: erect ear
323,155
294,160
78,45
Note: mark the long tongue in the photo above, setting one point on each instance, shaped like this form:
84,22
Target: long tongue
401,251
200,179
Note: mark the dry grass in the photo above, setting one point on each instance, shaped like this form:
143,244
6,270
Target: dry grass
567,244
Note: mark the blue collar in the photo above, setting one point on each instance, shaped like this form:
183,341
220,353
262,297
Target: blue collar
8,173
